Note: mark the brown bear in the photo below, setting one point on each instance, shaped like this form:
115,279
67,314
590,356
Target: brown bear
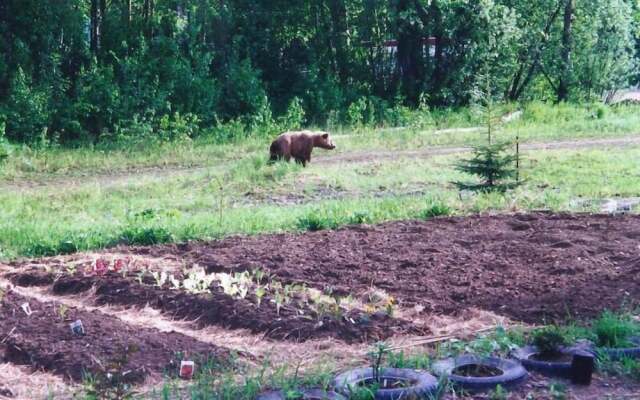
299,145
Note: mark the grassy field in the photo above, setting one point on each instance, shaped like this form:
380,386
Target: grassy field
60,200
538,123
63,200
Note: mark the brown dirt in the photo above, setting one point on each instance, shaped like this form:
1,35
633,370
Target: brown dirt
44,341
294,322
530,267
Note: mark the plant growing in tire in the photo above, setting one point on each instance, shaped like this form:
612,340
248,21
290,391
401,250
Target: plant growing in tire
473,373
549,353
378,383
617,336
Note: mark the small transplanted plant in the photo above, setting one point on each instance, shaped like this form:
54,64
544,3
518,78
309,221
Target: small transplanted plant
62,311
160,278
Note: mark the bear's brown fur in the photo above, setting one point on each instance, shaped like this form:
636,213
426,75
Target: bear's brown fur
298,145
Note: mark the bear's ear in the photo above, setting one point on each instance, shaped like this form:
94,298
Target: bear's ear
325,136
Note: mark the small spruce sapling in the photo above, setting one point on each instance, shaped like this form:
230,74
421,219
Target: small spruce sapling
497,169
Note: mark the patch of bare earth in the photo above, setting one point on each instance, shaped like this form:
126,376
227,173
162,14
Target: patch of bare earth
528,267
450,277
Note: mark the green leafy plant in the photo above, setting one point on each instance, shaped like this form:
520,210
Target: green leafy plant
435,208
71,268
260,292
62,311
376,356
558,391
360,217
145,236
499,393
111,381
160,278
549,340
315,221
613,330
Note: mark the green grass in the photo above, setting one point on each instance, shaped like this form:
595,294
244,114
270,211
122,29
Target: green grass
205,204
615,330
540,122
57,201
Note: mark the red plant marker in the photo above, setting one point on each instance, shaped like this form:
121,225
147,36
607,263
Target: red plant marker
187,369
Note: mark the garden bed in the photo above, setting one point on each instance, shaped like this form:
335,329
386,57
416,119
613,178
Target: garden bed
294,322
530,267
44,341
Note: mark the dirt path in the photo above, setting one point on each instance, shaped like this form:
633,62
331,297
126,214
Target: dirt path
107,180
438,151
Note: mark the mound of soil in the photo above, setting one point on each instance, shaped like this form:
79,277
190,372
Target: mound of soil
44,341
530,267
293,322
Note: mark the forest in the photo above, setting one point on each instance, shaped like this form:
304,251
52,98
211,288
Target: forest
89,71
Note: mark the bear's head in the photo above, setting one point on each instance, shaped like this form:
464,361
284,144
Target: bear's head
324,141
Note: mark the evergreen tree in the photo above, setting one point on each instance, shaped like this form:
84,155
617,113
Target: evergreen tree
494,166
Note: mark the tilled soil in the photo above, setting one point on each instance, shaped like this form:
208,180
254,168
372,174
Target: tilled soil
530,267
44,341
294,321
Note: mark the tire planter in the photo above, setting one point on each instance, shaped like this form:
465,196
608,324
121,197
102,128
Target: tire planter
560,369
419,385
618,354
309,394
513,373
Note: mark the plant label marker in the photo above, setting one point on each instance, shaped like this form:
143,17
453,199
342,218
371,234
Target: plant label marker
27,309
77,328
186,369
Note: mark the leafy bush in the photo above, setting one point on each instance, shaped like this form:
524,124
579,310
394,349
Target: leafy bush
294,117
26,111
145,236
316,221
360,217
614,330
549,340
177,127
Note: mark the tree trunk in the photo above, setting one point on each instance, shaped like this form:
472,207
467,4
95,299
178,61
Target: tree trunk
95,26
567,46
519,84
128,11
338,37
148,17
410,54
438,76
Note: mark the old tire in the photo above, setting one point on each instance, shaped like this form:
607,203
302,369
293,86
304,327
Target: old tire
618,354
513,373
560,369
309,394
423,385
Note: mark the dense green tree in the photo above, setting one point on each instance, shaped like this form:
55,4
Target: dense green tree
80,70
